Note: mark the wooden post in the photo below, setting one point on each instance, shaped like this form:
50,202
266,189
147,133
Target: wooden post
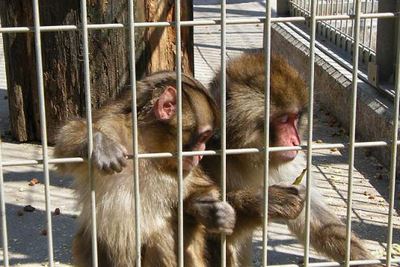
62,57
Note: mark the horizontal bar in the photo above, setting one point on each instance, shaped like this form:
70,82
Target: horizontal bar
204,153
54,28
352,17
332,263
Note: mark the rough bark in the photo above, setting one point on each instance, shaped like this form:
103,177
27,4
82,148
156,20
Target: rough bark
63,59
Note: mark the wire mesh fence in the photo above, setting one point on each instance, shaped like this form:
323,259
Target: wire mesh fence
342,32
354,21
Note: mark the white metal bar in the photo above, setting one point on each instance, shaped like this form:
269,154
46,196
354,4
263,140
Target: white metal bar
393,163
4,232
203,22
365,23
223,121
341,12
178,64
14,163
43,129
352,129
267,94
310,134
135,143
86,72
371,24
347,21
332,263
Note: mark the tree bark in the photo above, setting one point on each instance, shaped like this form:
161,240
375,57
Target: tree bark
63,59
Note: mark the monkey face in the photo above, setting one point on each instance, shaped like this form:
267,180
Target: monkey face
285,132
197,143
198,121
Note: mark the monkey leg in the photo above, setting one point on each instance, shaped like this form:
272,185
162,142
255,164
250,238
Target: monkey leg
82,251
161,249
327,232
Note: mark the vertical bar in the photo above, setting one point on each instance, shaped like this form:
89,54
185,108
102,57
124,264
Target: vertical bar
267,67
371,25
223,120
347,21
43,130
179,134
310,134
365,23
393,163
3,214
331,13
352,128
352,22
132,70
86,72
341,12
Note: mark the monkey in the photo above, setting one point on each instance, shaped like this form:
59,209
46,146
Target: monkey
112,143
157,127
245,128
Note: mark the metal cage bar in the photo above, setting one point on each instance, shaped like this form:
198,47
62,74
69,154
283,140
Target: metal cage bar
313,27
32,162
223,120
37,29
135,143
86,73
178,65
43,130
393,163
4,233
202,22
352,128
267,108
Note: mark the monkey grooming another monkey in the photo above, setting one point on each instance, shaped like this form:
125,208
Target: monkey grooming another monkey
112,142
245,172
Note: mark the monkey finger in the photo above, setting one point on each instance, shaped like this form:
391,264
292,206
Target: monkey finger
107,169
115,166
122,161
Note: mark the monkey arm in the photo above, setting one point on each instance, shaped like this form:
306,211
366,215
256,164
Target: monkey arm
109,154
203,204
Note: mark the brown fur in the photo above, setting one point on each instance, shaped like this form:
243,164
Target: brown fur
113,176
245,128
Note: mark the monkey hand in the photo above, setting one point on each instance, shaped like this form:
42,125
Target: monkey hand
217,216
108,155
286,201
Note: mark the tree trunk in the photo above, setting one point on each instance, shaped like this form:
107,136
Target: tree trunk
62,57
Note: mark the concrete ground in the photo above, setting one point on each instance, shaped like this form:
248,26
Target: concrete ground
28,245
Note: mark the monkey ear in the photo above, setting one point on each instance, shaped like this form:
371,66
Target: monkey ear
165,106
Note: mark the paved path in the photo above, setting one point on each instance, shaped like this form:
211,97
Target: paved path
29,247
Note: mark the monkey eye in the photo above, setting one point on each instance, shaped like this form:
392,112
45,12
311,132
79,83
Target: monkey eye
283,119
205,136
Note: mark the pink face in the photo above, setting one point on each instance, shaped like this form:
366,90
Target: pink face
285,129
198,144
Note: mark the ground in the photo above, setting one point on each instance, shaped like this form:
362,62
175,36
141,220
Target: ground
28,244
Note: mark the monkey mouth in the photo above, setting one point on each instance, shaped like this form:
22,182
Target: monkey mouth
287,156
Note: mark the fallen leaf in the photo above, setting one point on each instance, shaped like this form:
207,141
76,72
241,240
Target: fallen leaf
298,179
57,211
34,181
29,208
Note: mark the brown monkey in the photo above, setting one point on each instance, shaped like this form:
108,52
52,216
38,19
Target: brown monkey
245,128
112,142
